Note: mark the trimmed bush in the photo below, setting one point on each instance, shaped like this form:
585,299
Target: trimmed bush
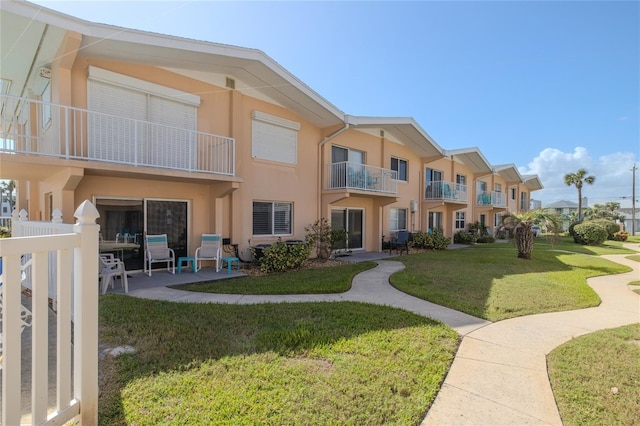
280,256
463,237
609,225
430,241
571,226
590,233
486,239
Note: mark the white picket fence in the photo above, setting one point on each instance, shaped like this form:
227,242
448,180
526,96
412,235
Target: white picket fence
63,268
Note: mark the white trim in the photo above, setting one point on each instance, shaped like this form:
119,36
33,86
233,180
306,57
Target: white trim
272,119
98,74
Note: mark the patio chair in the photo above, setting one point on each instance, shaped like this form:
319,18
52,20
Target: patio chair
157,250
401,243
210,249
110,268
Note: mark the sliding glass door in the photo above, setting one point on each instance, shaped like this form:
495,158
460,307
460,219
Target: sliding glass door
168,217
352,221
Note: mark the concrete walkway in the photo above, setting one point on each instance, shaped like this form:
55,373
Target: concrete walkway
499,374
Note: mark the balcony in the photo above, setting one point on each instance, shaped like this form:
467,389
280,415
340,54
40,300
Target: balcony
446,191
361,177
492,199
33,127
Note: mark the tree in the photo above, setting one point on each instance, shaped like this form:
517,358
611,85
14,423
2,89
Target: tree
578,179
520,227
8,186
604,211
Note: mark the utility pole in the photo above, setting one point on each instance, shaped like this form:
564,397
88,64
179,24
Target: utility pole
633,201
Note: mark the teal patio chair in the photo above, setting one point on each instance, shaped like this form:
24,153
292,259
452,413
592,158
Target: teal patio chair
210,249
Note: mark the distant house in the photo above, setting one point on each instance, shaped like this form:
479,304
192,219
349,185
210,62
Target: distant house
568,210
629,219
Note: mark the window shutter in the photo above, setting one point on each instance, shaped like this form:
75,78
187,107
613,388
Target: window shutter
111,137
274,138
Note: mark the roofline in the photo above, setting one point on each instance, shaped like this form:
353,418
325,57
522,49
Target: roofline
130,35
354,120
452,152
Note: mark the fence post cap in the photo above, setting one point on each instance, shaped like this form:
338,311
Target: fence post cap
86,213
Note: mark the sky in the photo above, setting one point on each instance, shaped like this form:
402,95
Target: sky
549,86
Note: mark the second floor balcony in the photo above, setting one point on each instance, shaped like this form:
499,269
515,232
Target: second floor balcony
39,128
361,177
492,199
446,191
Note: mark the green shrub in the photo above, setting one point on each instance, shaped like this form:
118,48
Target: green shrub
463,237
486,239
609,225
572,226
281,256
421,240
5,232
440,242
590,233
430,241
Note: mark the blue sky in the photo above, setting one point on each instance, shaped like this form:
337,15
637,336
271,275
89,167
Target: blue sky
550,86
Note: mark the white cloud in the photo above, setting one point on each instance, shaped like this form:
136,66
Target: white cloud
613,176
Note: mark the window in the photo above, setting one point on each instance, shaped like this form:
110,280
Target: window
497,187
46,107
271,218
524,205
274,138
460,219
461,179
513,193
397,219
497,220
399,166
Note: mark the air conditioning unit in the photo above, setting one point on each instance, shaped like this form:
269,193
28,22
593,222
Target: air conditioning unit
414,206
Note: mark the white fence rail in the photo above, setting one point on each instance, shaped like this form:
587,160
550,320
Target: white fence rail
76,328
29,126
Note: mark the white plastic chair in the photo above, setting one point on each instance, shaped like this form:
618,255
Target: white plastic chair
157,250
110,268
210,249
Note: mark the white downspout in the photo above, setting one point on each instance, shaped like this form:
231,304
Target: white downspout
320,145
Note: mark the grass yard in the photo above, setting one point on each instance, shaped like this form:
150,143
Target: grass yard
635,257
333,279
490,282
596,378
306,363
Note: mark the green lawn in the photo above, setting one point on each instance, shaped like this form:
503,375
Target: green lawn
302,364
596,378
331,363
489,281
334,279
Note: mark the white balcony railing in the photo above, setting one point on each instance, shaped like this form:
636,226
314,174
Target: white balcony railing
449,191
493,198
356,176
74,133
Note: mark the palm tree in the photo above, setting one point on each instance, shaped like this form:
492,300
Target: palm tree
578,179
8,186
520,226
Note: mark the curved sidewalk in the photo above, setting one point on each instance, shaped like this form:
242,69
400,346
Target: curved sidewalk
499,375
371,286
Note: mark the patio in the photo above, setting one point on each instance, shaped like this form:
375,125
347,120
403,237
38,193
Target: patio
138,280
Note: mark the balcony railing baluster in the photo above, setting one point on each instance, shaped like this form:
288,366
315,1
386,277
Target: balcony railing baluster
79,134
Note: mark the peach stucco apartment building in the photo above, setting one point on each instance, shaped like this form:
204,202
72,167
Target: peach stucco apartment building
170,135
